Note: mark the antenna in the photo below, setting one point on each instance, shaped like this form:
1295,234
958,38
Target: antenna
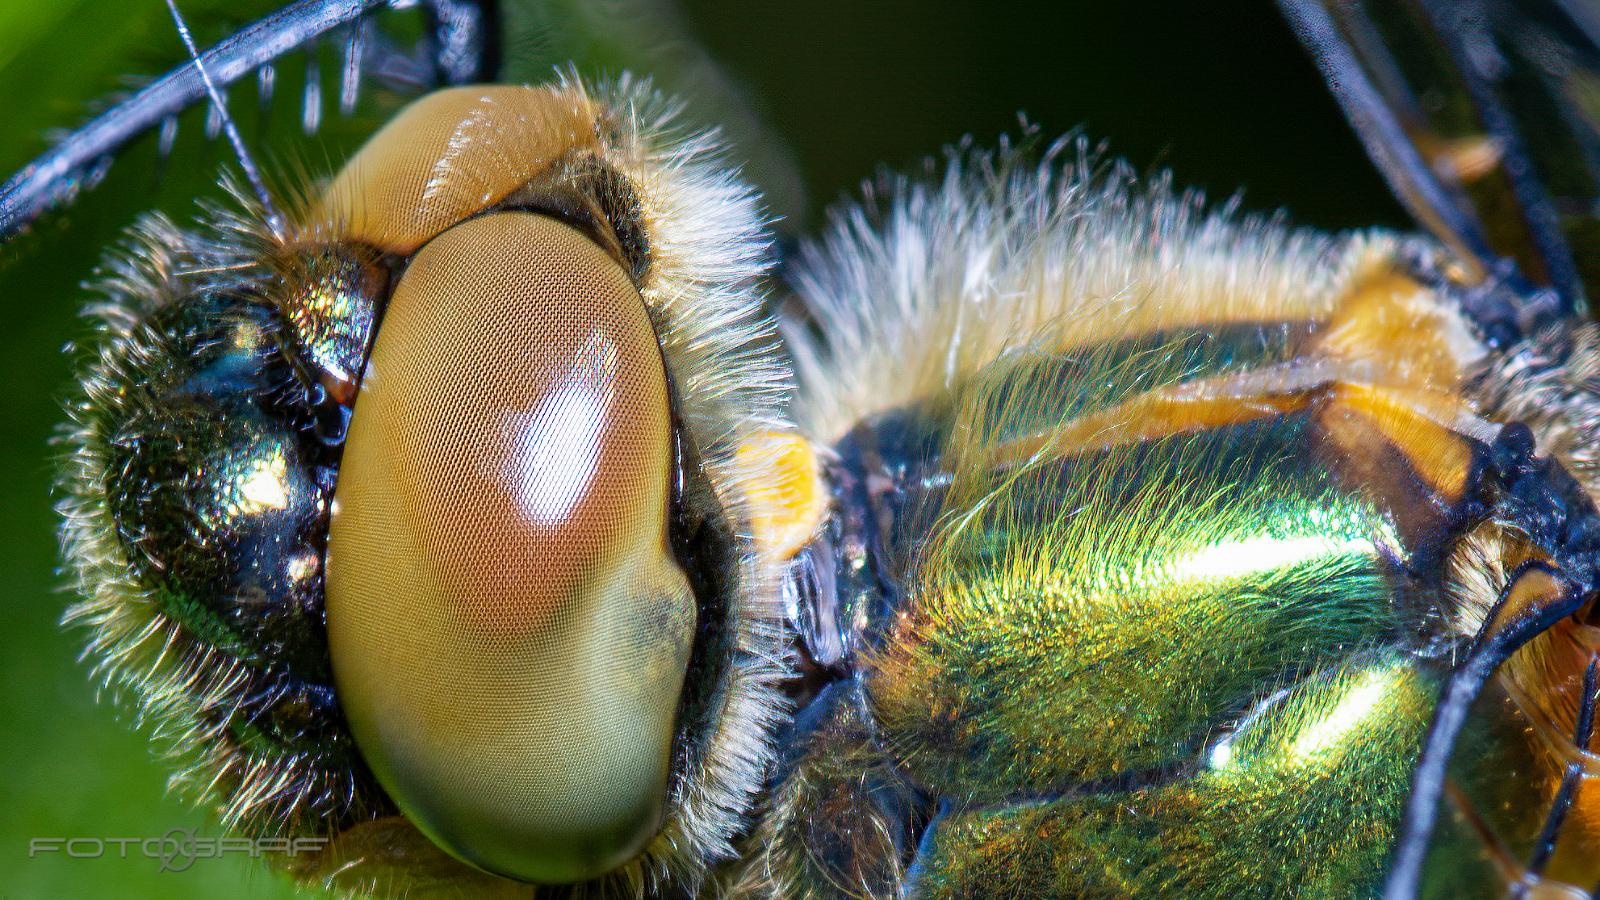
252,174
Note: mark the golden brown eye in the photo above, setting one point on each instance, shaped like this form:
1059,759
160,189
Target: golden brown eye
448,155
509,629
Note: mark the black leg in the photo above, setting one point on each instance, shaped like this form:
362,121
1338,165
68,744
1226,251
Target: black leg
1545,847
1536,597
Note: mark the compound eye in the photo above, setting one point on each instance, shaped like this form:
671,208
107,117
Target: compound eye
509,629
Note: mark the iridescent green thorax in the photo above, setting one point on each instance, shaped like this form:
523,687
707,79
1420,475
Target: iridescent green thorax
1163,613
1097,617
1108,669
1298,800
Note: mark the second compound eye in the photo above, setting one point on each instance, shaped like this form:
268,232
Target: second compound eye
508,627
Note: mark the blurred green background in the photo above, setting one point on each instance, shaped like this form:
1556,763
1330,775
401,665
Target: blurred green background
1220,93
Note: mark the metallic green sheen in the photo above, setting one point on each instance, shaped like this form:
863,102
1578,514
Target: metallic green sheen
331,310
1099,616
1303,800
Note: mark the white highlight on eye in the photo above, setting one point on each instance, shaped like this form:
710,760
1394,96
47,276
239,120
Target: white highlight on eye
448,176
557,453
557,444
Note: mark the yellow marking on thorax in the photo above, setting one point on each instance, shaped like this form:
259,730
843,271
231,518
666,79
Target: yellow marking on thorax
1422,425
1151,416
1410,421
786,492
1394,325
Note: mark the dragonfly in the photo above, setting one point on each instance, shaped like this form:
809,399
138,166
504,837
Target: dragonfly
476,510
